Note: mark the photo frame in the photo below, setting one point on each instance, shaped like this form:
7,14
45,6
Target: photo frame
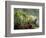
10,6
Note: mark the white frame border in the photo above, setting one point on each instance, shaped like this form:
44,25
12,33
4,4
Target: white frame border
28,30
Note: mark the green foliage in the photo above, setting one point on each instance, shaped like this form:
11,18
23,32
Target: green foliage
22,16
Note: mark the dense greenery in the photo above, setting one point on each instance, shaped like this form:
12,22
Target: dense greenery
25,16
